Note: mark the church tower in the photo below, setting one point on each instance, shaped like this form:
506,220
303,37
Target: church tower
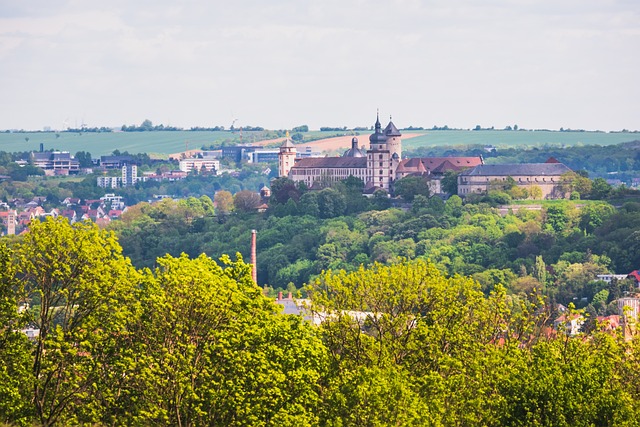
286,157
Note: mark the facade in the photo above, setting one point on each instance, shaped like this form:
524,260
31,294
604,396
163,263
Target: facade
9,220
129,175
286,158
109,181
436,166
262,156
115,162
546,176
376,166
128,178
209,164
55,162
611,277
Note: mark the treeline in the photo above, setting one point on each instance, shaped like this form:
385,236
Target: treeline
193,342
611,161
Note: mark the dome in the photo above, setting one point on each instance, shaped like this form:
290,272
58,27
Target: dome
378,137
354,151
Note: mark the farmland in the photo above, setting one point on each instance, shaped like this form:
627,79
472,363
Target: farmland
163,143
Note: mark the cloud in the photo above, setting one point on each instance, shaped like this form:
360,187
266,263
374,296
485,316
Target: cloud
319,62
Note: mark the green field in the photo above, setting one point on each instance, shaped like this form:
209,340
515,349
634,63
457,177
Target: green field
519,139
104,143
162,143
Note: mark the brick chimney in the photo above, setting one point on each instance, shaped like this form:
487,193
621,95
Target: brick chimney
254,259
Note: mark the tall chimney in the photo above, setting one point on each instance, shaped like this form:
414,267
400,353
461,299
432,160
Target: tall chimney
42,147
254,259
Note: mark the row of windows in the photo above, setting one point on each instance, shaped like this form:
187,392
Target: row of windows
317,172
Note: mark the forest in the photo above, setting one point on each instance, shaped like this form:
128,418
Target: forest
556,250
195,342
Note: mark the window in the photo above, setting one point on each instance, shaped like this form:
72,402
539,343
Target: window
380,156
380,164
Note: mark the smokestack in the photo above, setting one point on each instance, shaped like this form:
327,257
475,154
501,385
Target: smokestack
254,259
42,147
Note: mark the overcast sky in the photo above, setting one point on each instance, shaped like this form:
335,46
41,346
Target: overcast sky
283,63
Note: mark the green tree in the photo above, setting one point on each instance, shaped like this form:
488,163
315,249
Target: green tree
224,202
82,293
600,189
331,203
411,186
214,351
84,159
449,183
246,201
15,350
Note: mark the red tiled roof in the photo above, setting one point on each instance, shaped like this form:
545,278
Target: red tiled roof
635,274
438,164
609,322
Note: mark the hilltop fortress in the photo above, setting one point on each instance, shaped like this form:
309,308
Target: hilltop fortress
382,164
378,167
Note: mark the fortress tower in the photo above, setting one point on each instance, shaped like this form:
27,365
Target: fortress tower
384,155
286,157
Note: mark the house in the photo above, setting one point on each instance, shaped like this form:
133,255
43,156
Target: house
570,323
546,176
70,214
611,277
70,201
635,275
609,323
115,213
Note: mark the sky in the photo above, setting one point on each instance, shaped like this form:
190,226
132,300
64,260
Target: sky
540,64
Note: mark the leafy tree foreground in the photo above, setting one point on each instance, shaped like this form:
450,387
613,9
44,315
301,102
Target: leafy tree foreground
194,342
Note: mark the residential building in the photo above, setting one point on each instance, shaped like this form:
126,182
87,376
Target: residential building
109,181
115,162
55,162
610,277
211,165
130,175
